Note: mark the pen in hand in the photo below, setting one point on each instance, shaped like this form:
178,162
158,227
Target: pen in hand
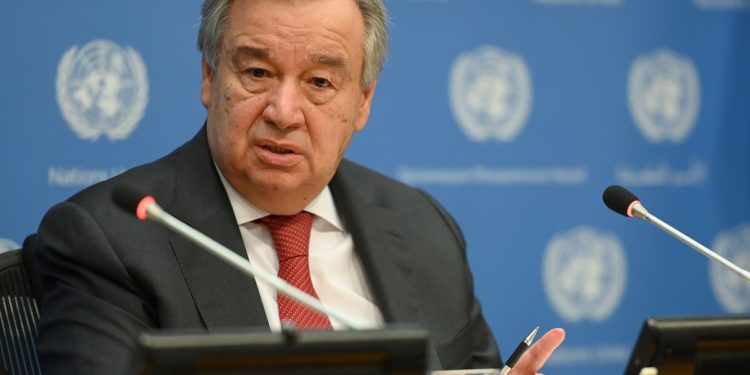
518,352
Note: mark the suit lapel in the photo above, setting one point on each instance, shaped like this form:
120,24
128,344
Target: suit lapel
225,297
380,243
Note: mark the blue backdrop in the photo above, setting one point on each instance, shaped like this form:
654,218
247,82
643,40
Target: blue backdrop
514,114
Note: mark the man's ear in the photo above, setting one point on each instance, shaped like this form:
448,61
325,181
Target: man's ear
206,83
363,112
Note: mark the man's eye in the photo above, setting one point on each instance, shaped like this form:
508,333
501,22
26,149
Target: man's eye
321,82
257,72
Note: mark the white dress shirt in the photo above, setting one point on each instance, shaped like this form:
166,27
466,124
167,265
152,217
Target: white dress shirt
335,269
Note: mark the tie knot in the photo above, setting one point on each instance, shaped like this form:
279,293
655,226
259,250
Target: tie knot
291,234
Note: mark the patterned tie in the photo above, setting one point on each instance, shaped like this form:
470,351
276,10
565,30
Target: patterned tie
291,236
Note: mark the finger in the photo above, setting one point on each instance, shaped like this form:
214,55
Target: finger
538,354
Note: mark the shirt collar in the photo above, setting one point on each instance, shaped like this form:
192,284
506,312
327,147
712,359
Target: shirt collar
244,211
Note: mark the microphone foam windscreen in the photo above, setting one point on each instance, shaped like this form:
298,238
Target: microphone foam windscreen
127,197
618,199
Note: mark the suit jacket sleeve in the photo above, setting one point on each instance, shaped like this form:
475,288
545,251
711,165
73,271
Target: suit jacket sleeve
93,309
477,334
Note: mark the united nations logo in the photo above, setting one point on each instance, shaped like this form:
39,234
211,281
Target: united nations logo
584,274
732,292
7,245
102,89
664,95
490,92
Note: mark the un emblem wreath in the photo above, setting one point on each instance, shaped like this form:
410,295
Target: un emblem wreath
102,89
491,94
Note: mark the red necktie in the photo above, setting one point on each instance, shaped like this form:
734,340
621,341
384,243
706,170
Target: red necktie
291,236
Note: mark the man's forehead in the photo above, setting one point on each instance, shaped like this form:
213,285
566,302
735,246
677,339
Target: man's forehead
347,11
297,19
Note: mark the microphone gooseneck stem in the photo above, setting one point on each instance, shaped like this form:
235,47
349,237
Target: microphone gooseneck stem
641,212
156,213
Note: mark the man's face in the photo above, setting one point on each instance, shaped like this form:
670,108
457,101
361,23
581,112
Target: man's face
285,97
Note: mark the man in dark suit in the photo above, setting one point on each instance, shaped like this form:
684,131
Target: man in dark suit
286,85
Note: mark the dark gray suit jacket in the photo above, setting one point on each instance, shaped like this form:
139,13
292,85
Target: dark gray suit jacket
110,276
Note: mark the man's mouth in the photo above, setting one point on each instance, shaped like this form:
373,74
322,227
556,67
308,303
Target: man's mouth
279,155
278,150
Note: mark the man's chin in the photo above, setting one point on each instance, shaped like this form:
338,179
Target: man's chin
284,185
282,196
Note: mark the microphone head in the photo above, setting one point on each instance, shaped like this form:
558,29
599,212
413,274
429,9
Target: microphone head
620,200
133,200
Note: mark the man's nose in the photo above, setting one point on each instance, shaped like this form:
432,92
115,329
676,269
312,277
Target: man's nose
284,107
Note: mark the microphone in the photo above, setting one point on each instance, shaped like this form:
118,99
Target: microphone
625,203
145,207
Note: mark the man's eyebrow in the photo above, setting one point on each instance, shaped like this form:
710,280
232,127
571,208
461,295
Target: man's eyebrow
328,60
245,52
250,52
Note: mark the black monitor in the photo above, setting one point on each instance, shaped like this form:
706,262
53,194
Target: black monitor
693,346
366,352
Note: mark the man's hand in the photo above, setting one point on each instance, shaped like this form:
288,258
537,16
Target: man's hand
536,356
